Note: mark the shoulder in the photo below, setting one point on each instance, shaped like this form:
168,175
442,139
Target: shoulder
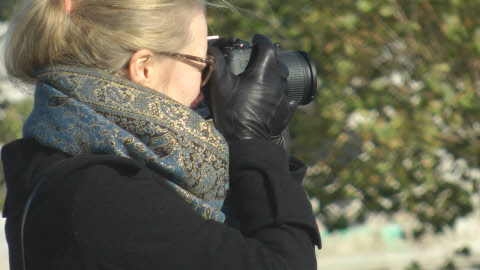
108,180
80,177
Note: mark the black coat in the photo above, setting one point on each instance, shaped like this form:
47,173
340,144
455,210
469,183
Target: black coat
108,212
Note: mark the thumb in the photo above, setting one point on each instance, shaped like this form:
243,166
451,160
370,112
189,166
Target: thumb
292,108
263,53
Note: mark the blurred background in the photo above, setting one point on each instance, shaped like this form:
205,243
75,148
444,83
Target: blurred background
392,139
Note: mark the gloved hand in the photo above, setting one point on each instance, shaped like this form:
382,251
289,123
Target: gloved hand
284,139
253,104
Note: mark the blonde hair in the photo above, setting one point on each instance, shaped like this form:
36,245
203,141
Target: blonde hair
96,33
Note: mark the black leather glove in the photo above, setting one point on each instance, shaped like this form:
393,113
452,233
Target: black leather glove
284,138
253,104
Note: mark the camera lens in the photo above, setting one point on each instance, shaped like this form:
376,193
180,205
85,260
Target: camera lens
302,78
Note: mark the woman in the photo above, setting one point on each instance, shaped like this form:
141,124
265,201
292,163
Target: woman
124,174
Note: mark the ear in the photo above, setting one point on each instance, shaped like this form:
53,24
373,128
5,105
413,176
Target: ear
140,67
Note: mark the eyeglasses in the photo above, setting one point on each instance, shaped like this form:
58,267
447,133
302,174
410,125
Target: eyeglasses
206,72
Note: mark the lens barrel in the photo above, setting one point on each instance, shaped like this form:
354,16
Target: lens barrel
302,78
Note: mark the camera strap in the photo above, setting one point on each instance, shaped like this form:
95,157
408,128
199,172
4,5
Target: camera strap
34,192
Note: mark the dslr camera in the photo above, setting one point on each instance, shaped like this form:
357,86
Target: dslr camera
302,78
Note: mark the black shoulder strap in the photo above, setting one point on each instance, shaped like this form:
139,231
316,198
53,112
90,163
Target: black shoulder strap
34,192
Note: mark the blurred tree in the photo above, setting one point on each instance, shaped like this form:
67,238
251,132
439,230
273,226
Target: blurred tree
395,125
12,116
6,8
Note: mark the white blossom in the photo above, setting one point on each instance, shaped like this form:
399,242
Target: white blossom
397,79
390,111
361,118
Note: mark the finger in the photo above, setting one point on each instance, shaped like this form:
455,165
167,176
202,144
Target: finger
292,108
263,52
285,140
286,88
221,76
262,41
218,54
282,70
221,69
279,47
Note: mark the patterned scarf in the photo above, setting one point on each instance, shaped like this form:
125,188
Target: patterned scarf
91,111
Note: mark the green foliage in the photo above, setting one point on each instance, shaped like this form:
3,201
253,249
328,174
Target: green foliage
449,265
6,9
395,125
414,266
12,116
464,251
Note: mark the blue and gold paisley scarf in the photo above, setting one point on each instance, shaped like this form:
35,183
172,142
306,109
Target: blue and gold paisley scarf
91,111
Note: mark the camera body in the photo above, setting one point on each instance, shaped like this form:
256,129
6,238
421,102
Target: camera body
302,79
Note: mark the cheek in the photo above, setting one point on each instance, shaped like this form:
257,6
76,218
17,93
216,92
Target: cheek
194,86
188,88
194,81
